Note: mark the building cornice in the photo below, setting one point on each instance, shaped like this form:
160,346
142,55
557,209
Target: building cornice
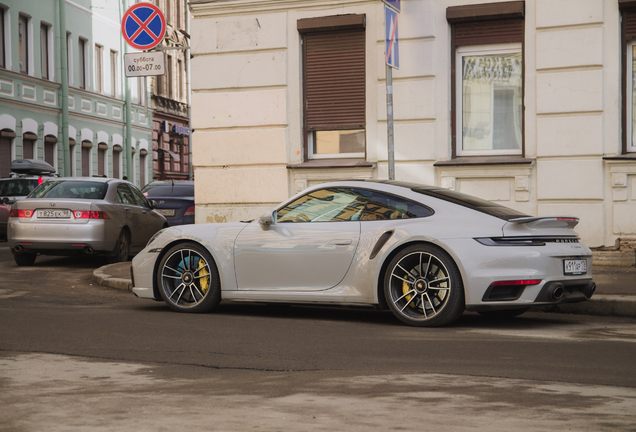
200,8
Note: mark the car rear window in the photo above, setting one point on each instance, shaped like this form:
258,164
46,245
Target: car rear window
168,190
471,202
70,189
17,187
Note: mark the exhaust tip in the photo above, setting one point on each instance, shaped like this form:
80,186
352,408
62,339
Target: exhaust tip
18,248
88,250
589,290
557,292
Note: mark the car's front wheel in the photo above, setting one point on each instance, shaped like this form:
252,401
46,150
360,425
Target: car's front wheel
188,279
423,287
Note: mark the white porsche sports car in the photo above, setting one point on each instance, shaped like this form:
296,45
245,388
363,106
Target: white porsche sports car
424,252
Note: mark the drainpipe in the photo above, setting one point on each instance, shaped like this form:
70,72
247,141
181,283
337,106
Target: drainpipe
129,155
64,97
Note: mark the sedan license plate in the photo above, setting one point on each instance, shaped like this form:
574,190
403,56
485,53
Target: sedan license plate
574,267
167,212
54,214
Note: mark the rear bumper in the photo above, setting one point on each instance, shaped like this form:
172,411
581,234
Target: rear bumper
61,238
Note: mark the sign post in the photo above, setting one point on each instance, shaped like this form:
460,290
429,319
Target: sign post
392,61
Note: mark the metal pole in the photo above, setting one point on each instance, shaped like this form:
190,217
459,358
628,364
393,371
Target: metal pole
389,115
64,97
129,155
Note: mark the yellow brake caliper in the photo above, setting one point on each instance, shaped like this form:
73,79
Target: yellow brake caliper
204,279
405,289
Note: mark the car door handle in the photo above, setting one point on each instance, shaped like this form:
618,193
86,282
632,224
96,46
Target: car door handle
127,209
341,242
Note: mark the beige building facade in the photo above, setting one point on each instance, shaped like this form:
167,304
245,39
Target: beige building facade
525,103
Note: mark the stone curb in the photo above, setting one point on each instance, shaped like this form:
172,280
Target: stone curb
607,305
102,277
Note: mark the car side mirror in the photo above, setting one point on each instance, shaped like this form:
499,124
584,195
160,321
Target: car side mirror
5,200
267,220
154,204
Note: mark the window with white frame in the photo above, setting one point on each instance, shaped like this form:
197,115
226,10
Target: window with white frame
23,43
99,71
630,90
69,57
489,105
45,51
82,66
3,50
334,87
113,73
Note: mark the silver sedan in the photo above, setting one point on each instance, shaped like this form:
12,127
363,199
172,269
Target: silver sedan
425,253
82,215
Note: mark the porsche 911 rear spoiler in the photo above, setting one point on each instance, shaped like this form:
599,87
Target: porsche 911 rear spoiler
537,222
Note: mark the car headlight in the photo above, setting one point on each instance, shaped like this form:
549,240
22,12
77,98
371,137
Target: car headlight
157,234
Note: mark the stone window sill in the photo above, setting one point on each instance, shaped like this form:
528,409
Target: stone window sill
485,160
333,163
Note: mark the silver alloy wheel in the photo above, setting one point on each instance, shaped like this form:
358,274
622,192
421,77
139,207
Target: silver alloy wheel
185,278
419,286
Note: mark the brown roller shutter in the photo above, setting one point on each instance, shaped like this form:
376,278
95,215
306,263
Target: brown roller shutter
5,157
335,80
488,32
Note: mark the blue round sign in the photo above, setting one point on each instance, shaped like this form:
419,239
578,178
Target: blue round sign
143,26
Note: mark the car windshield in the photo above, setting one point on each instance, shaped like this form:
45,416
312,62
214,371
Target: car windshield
17,187
471,202
70,189
170,190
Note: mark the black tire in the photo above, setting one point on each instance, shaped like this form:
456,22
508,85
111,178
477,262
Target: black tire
122,248
188,279
25,259
423,287
504,314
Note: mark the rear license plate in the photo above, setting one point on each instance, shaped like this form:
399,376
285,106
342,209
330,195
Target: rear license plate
54,214
574,267
166,212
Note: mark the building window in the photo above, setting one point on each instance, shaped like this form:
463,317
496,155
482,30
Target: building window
487,76
178,8
3,55
23,42
102,149
71,143
44,51
169,73
489,99
87,162
628,36
82,63
334,88
161,86
117,161
179,79
99,72
69,57
50,150
168,11
141,90
113,73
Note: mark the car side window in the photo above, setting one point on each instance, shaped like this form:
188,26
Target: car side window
124,196
138,197
385,207
326,205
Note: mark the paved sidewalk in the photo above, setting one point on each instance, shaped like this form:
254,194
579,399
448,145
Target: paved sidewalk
615,289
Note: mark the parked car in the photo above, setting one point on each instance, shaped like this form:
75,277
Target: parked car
26,175
424,252
175,200
82,215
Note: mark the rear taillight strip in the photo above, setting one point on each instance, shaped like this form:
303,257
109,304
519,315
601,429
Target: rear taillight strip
90,215
21,213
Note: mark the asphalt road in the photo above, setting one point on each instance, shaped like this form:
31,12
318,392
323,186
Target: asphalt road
76,356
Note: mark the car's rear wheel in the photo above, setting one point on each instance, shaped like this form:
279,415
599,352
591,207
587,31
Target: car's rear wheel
188,279
122,248
423,287
25,259
504,314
